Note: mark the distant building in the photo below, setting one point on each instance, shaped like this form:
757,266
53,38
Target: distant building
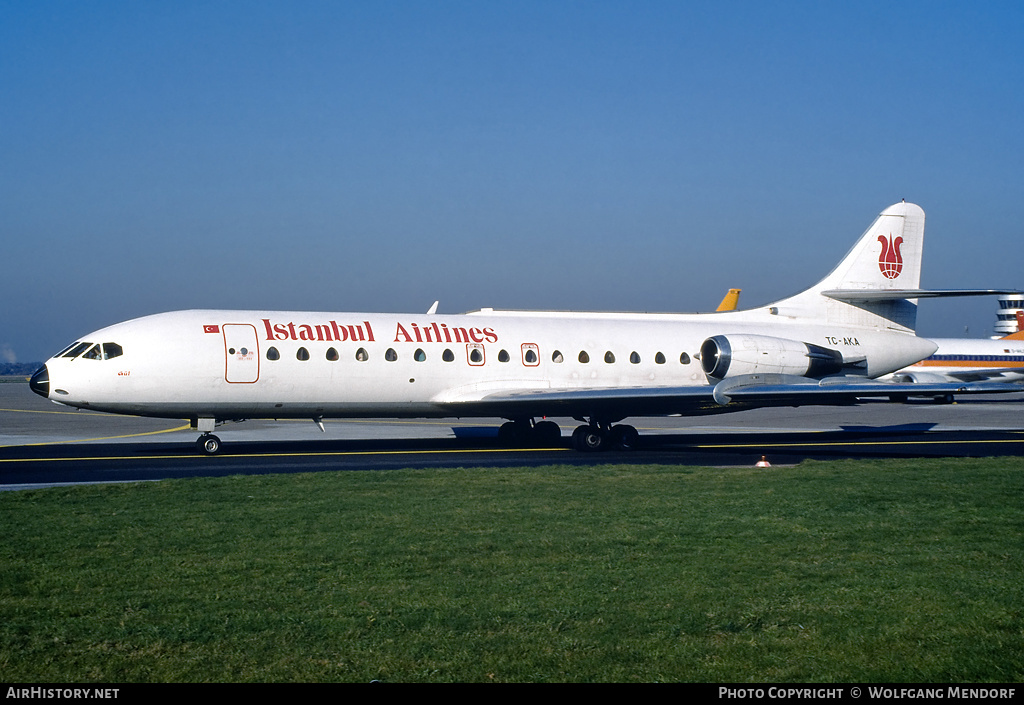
1006,316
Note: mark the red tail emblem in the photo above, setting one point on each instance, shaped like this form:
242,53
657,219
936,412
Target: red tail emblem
890,261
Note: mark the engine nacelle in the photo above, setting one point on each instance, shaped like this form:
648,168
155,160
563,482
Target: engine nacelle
919,378
724,356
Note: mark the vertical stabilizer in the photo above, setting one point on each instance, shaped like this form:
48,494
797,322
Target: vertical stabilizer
886,257
730,301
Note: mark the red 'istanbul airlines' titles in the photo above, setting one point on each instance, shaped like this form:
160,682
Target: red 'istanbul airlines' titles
333,331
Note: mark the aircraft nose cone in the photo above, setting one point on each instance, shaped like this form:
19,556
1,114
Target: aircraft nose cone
40,382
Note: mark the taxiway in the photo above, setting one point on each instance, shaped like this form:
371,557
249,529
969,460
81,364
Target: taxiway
43,444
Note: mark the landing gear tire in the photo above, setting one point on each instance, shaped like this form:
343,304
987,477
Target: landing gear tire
522,433
547,433
589,439
508,432
208,444
625,437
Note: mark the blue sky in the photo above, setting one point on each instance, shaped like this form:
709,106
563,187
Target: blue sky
351,156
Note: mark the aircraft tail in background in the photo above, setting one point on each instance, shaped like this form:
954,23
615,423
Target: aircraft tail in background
730,301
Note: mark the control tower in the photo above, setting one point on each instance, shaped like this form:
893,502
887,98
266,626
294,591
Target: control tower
1006,316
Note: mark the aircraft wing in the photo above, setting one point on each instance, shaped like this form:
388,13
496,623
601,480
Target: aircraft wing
733,394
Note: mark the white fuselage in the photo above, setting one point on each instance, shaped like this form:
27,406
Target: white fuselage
276,364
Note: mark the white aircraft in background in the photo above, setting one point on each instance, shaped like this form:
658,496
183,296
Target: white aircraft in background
824,345
966,360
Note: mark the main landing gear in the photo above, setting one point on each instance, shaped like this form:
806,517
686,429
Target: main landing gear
593,437
590,437
526,432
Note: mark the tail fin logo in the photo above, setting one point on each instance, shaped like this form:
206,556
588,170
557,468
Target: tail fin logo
890,261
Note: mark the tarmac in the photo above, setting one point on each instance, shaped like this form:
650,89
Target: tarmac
28,419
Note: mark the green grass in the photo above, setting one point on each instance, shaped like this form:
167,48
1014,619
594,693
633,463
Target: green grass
842,571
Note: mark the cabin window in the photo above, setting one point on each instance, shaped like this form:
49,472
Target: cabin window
362,355
419,356
503,356
391,355
659,359
273,354
112,350
609,357
584,358
556,356
476,356
448,356
634,357
684,359
332,355
301,354
531,354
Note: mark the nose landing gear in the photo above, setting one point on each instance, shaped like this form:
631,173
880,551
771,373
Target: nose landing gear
208,444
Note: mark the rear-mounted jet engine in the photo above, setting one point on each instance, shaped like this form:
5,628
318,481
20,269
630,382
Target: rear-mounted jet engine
723,356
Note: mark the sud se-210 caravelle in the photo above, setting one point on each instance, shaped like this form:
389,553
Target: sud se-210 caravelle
823,346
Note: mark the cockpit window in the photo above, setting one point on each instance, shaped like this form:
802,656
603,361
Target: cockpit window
78,350
93,351
68,348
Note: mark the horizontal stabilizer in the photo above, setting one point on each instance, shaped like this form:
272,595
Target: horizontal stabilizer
853,295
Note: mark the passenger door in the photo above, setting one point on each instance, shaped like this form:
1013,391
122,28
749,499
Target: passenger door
241,353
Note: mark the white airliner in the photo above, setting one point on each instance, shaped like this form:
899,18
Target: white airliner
966,360
824,345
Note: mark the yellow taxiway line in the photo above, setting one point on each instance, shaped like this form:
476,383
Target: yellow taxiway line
228,456
101,438
859,443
